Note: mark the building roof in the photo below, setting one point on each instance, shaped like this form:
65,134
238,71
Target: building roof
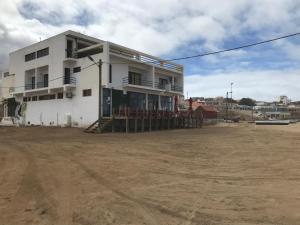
207,108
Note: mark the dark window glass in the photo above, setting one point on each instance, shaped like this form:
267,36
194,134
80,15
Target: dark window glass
69,48
60,95
28,99
86,92
135,78
42,52
46,97
162,83
67,77
30,56
52,97
6,74
110,73
24,99
137,100
166,103
34,98
76,69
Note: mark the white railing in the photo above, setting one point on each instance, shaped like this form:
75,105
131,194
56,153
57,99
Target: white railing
134,55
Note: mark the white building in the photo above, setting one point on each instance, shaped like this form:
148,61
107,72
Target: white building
284,100
58,84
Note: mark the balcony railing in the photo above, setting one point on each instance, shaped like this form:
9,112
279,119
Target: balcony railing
147,83
145,58
169,87
176,88
69,80
41,84
29,86
141,82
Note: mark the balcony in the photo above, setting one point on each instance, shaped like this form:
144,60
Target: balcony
42,84
139,82
169,87
127,53
69,80
29,87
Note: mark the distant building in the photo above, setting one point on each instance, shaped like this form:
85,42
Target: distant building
284,100
272,111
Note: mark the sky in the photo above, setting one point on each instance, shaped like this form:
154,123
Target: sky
178,28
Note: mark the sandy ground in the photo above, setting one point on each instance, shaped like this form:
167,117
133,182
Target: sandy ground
226,174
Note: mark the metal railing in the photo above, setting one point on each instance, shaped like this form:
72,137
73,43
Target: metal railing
29,86
141,82
168,87
41,84
146,59
176,88
69,80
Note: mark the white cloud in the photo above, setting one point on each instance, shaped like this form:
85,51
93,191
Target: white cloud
260,85
159,27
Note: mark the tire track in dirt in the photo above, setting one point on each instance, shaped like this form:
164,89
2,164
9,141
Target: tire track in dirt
30,199
144,206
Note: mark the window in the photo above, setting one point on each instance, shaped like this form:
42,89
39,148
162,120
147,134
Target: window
110,73
137,100
52,97
28,99
30,56
34,98
86,92
76,69
162,83
60,95
46,97
42,52
24,99
6,74
135,78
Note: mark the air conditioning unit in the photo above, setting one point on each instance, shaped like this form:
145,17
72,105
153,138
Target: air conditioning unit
69,95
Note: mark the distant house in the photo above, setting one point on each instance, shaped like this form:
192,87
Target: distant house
208,111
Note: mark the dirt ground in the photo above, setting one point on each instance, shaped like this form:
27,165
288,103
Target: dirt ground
226,174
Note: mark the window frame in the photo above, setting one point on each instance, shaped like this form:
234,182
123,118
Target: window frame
87,92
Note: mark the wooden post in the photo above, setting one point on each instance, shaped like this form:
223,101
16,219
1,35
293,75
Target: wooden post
127,120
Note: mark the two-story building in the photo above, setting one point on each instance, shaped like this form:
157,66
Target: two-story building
57,83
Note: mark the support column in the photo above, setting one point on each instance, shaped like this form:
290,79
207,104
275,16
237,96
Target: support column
159,103
153,77
147,101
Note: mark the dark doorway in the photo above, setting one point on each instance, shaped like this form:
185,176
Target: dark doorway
46,80
69,48
32,82
106,101
153,102
67,76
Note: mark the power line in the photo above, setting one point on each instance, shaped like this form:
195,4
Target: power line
199,55
233,49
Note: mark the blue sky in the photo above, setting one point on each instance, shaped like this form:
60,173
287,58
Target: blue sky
173,28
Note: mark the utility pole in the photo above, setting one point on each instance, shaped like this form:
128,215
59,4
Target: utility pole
99,64
231,99
100,94
226,106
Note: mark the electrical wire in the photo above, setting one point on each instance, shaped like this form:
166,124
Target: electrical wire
198,55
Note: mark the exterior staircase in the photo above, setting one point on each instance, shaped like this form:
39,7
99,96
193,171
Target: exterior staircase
105,125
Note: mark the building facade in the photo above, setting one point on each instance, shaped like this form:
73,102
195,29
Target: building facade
56,83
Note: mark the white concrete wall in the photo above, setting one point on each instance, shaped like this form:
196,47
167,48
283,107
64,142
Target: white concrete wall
83,110
6,84
54,60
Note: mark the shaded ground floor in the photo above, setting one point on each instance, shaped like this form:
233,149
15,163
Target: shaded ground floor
225,174
60,108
